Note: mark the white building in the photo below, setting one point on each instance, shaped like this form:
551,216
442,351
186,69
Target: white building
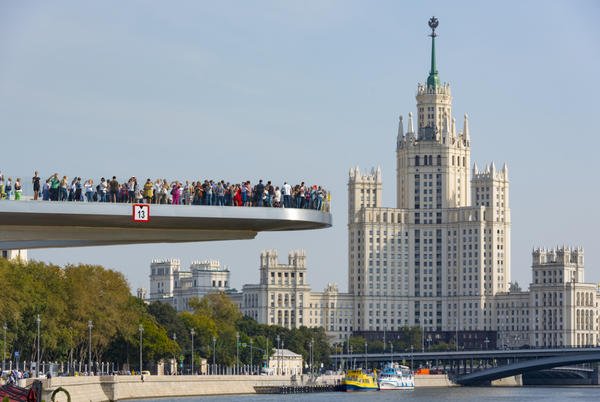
285,362
168,283
437,259
283,297
20,255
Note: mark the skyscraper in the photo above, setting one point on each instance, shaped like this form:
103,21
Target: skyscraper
435,260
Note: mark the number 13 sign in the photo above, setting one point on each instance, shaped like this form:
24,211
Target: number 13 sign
141,212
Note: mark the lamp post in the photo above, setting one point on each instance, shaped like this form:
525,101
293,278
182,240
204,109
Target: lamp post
351,361
37,363
278,344
250,354
90,326
429,343
4,327
141,329
174,357
456,336
237,352
214,339
412,358
193,332
486,341
365,355
310,356
392,350
281,356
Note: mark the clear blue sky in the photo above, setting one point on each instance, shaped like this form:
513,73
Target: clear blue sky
302,90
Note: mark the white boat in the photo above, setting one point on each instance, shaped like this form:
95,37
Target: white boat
396,377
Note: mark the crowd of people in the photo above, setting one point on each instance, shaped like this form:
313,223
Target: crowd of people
162,191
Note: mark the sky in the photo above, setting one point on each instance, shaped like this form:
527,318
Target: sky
302,91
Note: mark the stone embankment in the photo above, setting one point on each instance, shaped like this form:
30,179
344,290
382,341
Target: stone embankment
117,388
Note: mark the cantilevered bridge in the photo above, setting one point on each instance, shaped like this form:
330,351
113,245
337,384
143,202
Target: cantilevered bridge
43,224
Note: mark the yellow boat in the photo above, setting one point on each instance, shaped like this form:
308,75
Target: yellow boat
358,380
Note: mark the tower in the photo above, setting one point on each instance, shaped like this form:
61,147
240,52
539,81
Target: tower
435,151
439,257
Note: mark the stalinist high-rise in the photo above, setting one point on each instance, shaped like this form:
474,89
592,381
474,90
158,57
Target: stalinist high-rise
439,257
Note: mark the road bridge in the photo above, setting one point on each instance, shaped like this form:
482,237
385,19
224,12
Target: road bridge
473,367
487,375
43,224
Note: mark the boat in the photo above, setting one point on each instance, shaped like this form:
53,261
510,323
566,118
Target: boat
359,380
396,377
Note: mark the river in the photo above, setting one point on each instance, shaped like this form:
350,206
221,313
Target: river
458,394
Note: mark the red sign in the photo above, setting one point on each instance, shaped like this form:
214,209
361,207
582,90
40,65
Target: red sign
141,212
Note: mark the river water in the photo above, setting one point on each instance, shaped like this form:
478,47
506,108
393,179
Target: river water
458,394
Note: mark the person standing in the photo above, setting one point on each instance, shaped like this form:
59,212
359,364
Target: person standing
89,189
36,185
8,188
78,193
287,192
54,185
18,189
113,186
260,189
63,192
148,191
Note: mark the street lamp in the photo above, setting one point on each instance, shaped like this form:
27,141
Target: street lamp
365,355
4,327
193,332
351,361
37,363
250,354
429,343
278,349
281,356
310,356
237,352
412,358
90,326
141,329
174,357
214,339
392,349
486,341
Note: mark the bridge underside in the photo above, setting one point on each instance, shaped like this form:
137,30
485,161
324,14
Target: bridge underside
29,224
485,376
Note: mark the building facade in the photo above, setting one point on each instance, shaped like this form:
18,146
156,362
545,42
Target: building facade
439,257
169,284
20,255
559,309
283,297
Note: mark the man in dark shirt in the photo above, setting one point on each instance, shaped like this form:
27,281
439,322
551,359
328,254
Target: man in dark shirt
113,187
260,189
36,185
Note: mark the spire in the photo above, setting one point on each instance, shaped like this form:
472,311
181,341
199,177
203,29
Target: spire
400,138
410,123
466,129
453,130
433,81
400,129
